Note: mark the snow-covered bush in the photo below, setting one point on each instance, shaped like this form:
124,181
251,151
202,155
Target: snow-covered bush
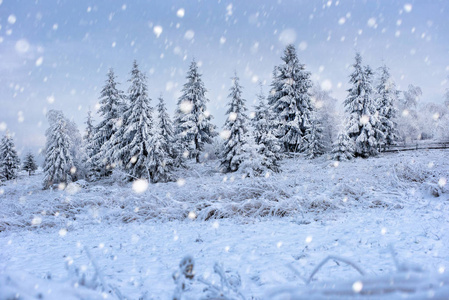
228,288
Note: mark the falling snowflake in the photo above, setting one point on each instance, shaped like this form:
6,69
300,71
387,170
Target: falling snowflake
408,7
140,186
12,19
189,34
22,46
180,13
357,286
157,30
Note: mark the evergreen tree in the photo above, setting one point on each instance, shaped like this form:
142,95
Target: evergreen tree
343,148
326,114
79,157
112,106
29,164
408,122
89,133
132,142
362,125
386,100
260,121
268,144
314,145
290,101
90,147
166,129
270,150
160,162
252,162
58,159
9,160
235,125
193,127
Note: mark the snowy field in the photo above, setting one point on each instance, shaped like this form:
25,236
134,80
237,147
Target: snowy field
272,231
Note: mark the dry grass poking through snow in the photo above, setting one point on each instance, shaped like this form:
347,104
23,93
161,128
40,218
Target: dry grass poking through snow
391,181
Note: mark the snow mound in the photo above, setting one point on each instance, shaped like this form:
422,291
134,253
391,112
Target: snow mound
19,285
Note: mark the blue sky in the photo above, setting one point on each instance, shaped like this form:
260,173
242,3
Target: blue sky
55,54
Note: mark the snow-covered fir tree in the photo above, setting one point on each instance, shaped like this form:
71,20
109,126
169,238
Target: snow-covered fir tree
79,157
260,121
9,160
268,144
112,105
343,148
90,147
89,133
234,129
29,164
132,142
387,96
58,159
270,150
193,127
160,162
166,130
252,162
314,139
290,101
362,125
408,121
326,114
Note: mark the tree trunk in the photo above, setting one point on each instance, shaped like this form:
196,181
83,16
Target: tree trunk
197,156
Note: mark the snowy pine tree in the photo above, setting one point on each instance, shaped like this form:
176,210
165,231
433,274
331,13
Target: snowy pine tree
408,121
89,133
387,96
162,154
252,162
130,144
343,148
270,150
79,157
362,125
29,164
90,147
166,129
235,128
9,160
112,105
160,162
58,159
260,121
268,144
290,101
326,114
193,127
314,139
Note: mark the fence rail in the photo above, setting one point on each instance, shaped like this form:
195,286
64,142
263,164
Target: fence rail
421,145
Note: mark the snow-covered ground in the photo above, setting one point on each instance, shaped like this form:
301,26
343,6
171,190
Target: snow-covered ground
261,229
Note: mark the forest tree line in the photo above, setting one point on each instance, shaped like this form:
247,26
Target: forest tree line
295,117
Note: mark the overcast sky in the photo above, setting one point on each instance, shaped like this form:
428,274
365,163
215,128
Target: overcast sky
55,54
